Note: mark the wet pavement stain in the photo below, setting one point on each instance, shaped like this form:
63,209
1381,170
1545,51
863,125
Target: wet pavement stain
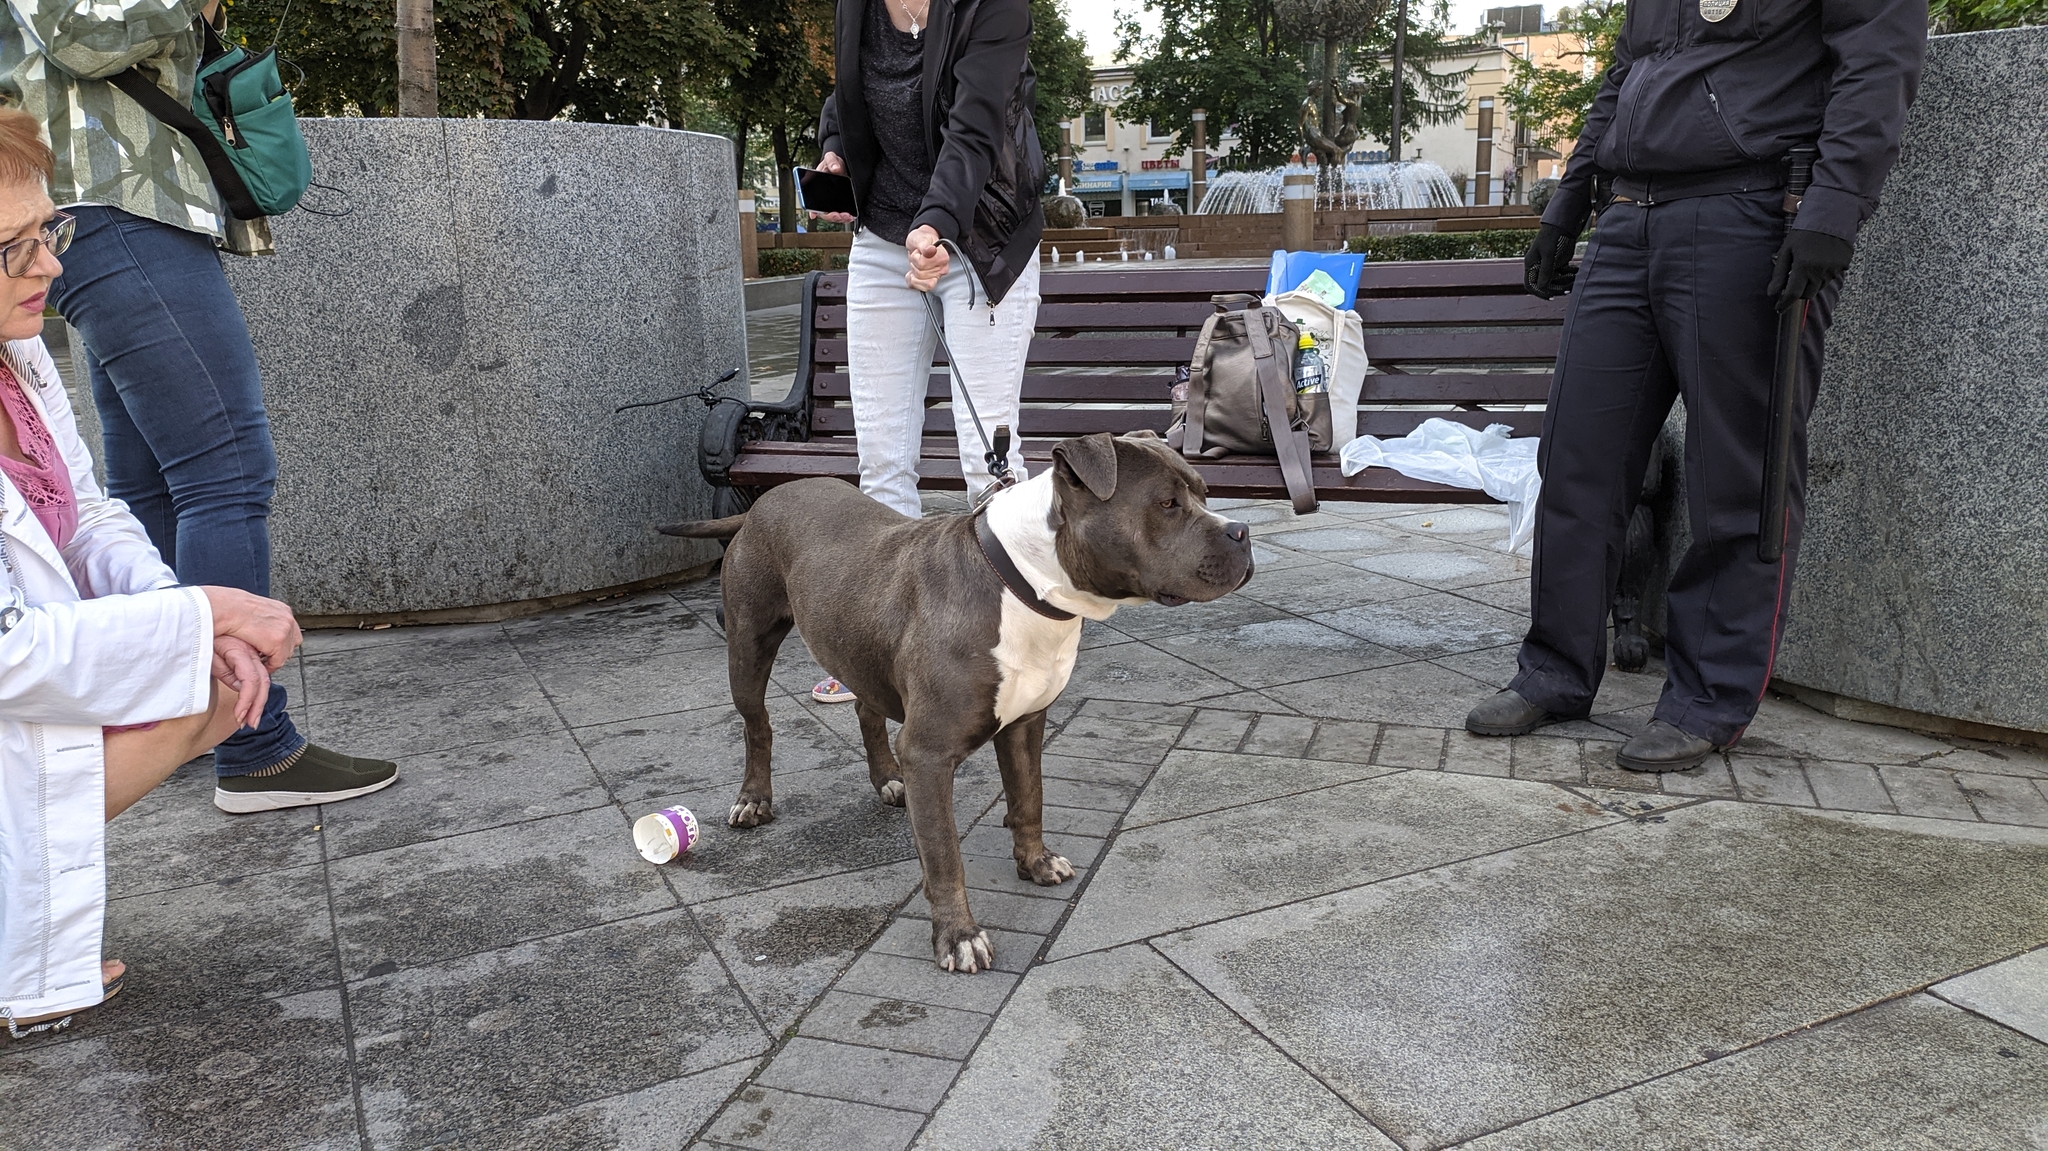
892,1013
802,934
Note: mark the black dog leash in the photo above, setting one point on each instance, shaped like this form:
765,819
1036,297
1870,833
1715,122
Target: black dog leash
997,454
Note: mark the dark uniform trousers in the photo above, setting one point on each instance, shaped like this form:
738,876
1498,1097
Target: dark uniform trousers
1669,302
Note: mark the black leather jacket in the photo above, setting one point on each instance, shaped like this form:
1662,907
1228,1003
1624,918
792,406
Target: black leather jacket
1688,95
980,96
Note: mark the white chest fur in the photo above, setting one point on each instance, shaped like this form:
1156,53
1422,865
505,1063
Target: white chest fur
1035,656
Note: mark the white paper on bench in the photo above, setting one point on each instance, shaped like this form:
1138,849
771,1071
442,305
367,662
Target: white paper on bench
1461,457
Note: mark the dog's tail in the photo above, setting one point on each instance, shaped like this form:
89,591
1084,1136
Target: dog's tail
723,529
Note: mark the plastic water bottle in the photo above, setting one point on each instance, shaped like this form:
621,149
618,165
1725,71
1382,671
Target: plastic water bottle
1055,255
1169,253
1308,366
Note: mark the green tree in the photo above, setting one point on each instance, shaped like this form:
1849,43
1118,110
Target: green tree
1060,60
612,61
782,86
1984,15
1229,57
1552,100
1429,94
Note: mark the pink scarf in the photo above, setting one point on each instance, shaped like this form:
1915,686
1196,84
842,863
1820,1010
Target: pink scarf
44,481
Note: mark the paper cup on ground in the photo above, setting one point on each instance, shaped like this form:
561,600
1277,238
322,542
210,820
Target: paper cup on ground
665,834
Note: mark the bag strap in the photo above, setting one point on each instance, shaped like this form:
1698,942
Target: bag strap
1290,444
1198,391
165,107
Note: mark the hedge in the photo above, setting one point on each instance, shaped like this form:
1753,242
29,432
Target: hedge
1493,243
796,261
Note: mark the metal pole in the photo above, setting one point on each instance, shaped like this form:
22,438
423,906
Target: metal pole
1482,169
1400,48
417,92
1200,185
750,240
1066,155
1298,211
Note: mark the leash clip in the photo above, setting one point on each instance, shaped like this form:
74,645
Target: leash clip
998,459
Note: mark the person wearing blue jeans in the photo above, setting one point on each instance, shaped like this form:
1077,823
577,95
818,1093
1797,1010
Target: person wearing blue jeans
187,442
187,446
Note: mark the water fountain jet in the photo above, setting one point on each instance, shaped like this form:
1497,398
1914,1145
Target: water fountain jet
1383,186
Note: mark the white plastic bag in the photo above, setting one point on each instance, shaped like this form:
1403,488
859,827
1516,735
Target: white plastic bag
1342,336
1451,453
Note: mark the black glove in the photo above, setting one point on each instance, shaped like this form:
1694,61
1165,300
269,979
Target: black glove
1807,262
1547,270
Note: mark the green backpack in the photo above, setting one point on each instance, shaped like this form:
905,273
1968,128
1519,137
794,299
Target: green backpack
242,121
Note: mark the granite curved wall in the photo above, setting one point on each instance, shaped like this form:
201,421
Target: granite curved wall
1923,578
442,362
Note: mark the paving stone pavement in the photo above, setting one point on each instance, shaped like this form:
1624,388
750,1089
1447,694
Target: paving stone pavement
1310,910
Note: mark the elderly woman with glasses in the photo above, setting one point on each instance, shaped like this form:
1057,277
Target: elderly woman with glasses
110,670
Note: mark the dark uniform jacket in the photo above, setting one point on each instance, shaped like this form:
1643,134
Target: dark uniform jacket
980,96
1694,104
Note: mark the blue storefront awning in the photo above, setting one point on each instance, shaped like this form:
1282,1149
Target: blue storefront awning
1096,182
1153,181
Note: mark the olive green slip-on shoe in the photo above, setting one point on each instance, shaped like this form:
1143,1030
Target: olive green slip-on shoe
311,775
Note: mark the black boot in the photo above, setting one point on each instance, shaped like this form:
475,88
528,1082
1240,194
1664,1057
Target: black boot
1662,747
1509,714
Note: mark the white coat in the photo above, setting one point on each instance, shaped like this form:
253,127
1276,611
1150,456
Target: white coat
104,637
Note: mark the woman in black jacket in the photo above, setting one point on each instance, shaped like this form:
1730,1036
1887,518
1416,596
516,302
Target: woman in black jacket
932,121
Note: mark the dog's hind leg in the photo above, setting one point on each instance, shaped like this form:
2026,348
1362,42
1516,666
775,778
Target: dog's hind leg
1018,748
757,622
929,760
883,770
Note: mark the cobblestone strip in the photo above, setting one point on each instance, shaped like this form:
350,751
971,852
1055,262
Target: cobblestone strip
1928,788
874,1056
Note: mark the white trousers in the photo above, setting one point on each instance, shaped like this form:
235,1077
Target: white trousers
889,359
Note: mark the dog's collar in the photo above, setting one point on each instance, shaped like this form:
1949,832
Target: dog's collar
1005,568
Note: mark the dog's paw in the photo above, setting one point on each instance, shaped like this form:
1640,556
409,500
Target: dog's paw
750,812
965,953
1631,652
1048,870
891,793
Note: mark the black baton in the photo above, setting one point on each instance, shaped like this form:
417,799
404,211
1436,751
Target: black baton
1772,521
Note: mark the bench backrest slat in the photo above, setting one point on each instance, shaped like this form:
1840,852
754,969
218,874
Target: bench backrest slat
1045,423
1452,339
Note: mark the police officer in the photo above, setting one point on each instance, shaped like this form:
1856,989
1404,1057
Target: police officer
1679,295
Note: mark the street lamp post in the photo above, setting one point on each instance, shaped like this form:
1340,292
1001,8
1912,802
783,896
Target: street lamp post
1400,46
1066,155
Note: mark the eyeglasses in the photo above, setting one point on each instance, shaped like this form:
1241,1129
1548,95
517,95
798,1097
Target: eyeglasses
18,258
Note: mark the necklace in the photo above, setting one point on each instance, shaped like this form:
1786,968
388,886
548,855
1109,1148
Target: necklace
914,29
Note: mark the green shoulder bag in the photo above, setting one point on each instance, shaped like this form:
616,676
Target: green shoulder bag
242,121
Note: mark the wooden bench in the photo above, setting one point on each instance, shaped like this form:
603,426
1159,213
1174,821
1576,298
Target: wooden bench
1452,339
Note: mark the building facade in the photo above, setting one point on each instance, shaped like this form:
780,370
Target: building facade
1119,166
1488,156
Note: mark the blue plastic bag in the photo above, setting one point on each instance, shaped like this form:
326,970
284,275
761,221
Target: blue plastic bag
1291,268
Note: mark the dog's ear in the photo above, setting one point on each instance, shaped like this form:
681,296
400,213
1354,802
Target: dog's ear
1089,461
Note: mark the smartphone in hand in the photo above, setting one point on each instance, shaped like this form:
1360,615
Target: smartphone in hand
824,192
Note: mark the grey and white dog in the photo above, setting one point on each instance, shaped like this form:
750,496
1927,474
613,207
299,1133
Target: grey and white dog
961,628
